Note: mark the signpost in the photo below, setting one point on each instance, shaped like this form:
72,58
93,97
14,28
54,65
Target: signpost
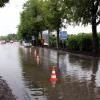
63,35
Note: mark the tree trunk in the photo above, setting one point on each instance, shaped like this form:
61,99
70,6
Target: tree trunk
41,34
37,38
57,38
48,37
95,36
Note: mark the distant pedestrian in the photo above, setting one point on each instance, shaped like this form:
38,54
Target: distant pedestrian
33,40
42,42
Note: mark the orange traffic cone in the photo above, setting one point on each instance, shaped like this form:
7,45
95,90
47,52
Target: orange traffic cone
53,75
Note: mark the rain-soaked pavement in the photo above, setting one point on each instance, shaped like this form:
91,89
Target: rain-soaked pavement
27,71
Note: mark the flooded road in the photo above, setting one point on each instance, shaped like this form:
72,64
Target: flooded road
28,70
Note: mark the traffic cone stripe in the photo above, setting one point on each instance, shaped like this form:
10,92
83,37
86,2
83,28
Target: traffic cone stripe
53,76
53,72
53,79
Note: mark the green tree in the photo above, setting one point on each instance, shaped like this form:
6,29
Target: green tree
3,2
53,11
31,20
39,15
11,37
86,12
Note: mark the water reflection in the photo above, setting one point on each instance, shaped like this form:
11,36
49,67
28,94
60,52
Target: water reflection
92,65
35,76
92,84
36,55
78,77
28,72
84,62
87,64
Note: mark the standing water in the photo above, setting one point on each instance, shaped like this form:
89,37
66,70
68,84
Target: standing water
27,71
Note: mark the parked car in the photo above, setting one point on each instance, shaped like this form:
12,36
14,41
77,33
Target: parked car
11,41
3,42
27,44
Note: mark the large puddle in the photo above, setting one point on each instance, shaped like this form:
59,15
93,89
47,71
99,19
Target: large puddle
28,72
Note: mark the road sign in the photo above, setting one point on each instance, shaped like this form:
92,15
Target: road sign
63,35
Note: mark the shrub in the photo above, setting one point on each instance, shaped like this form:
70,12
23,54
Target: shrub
81,42
52,41
72,42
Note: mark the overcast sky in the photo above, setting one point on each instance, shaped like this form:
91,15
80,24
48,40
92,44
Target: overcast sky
10,18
